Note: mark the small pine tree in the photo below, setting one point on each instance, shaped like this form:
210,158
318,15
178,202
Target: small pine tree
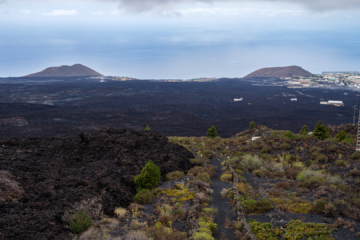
252,125
321,131
147,127
304,130
212,132
342,136
149,177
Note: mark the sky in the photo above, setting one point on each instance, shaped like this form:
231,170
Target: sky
179,39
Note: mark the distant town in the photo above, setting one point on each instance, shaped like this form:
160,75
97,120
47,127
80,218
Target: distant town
349,80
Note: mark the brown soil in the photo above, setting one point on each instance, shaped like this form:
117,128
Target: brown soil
57,172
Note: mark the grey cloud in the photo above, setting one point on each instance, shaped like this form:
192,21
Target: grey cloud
314,5
2,1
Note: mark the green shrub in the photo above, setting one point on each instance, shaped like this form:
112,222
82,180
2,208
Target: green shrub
289,134
226,177
256,207
343,137
175,175
258,173
354,173
284,146
341,163
194,171
296,229
304,130
252,125
265,149
80,221
149,177
210,212
205,230
319,206
202,236
265,231
321,131
196,161
313,179
321,158
356,155
212,132
332,148
144,196
204,176
308,163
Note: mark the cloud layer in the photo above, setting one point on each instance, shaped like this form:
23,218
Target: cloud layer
315,5
61,13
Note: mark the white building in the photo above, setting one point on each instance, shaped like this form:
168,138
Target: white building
238,99
336,103
293,99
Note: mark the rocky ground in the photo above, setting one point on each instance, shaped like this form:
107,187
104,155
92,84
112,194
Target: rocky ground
42,178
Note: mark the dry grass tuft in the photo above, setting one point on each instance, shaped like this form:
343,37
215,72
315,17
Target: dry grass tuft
9,188
91,206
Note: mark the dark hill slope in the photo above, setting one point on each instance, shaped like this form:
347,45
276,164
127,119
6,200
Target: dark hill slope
76,70
57,172
278,72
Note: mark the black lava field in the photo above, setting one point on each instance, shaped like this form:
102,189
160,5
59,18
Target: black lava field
71,106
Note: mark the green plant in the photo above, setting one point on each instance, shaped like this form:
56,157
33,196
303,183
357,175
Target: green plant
194,171
321,131
196,161
308,163
226,177
149,177
319,206
284,146
144,196
289,134
265,149
252,125
147,127
296,229
204,176
264,231
354,173
253,206
258,173
202,236
212,132
332,148
356,155
304,130
321,158
341,163
175,175
80,221
342,136
210,212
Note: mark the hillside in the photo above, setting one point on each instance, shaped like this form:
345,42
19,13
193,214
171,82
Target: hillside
279,72
76,70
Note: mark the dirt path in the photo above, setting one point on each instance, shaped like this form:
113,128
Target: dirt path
225,210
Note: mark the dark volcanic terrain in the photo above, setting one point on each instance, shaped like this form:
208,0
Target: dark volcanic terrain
46,107
55,173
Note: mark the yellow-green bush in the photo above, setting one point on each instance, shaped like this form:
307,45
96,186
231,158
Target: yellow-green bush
226,177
